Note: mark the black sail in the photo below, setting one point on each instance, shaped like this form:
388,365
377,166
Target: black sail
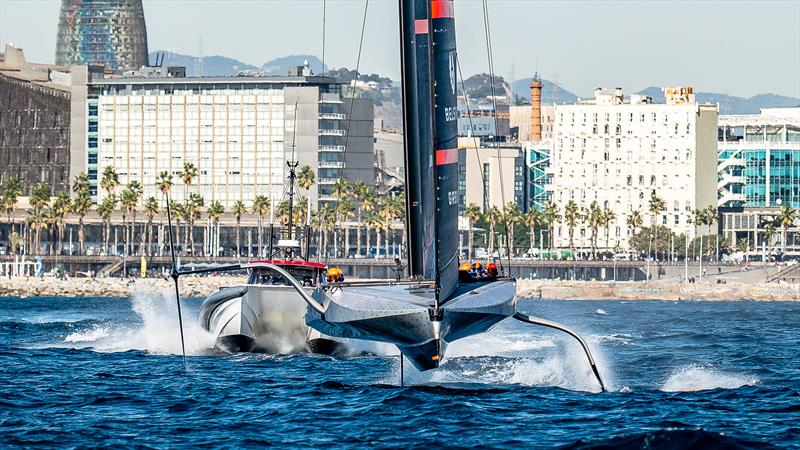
418,124
445,141
431,130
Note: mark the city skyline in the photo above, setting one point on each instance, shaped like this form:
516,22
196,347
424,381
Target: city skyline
690,43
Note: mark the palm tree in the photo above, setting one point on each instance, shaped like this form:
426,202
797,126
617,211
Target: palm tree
150,209
699,219
656,205
323,221
513,216
40,198
368,203
188,175
81,206
191,212
62,206
608,217
11,192
164,185
110,180
393,209
238,211
215,211
177,214
786,218
105,209
261,208
360,192
711,217
534,220
492,217
572,215
473,214
340,190
769,234
136,188
127,203
634,221
594,215
550,217
344,212
305,178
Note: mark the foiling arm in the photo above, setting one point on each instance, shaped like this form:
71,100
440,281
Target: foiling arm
557,326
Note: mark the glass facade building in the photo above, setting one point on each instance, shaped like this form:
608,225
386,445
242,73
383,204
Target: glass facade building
759,162
107,33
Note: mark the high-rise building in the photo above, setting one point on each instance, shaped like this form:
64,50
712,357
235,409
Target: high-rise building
617,152
108,33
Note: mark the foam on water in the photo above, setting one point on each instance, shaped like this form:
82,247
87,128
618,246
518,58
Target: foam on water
156,331
514,358
601,312
699,378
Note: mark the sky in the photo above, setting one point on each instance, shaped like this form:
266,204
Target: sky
740,48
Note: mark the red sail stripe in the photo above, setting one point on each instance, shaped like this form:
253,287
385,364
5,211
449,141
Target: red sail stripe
441,9
448,156
421,26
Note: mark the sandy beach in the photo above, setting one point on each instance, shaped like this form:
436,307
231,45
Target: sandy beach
534,289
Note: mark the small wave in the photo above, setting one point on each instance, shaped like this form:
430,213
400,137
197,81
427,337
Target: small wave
616,338
698,378
91,335
602,312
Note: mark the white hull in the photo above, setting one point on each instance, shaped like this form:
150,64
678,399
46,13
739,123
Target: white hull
260,318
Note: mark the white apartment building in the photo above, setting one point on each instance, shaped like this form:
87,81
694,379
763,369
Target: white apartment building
235,139
616,151
238,132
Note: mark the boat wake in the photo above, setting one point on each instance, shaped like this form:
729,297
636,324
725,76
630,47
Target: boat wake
513,358
155,329
701,378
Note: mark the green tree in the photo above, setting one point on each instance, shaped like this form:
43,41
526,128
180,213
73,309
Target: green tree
105,209
656,206
188,175
81,206
150,210
513,216
164,185
608,218
238,210
127,202
261,209
305,178
110,180
785,218
473,214
215,212
493,216
61,208
360,192
534,220
634,221
551,216
572,215
594,217
39,200
191,212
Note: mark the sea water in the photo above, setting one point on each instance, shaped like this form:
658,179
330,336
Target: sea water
108,372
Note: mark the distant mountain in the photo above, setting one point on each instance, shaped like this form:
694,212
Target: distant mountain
281,66
221,66
550,92
730,104
210,66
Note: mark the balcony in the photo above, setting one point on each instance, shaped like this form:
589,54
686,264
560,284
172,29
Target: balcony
331,132
326,198
328,180
331,148
331,116
331,164
728,179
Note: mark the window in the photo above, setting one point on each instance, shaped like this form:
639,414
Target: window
630,180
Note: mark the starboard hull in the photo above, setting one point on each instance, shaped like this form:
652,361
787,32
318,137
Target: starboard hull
402,316
264,319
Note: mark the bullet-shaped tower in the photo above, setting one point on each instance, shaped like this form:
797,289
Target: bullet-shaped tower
108,33
536,109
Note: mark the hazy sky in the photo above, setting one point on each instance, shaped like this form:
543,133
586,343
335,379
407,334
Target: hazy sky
736,47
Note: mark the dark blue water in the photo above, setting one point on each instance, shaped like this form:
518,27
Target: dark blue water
103,372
